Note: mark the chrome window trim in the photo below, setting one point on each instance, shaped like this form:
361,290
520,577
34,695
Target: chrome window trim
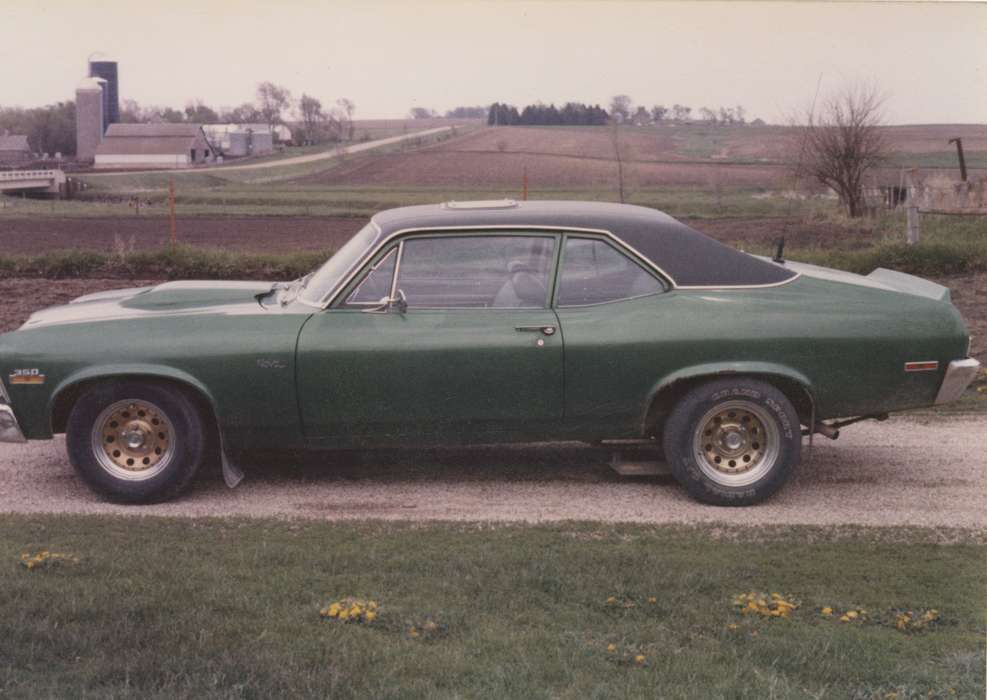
346,303
330,297
4,396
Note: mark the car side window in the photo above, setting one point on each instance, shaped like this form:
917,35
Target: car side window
376,283
497,272
594,272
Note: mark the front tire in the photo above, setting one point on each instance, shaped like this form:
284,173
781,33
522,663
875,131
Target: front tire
134,441
733,442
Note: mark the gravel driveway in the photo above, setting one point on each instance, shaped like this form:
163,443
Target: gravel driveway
907,471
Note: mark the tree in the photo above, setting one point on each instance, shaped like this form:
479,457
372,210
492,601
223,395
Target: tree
198,113
681,113
658,113
313,118
49,129
246,113
131,112
620,107
477,112
842,141
642,116
345,110
422,113
707,115
272,101
740,113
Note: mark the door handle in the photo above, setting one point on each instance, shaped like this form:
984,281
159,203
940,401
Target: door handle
544,330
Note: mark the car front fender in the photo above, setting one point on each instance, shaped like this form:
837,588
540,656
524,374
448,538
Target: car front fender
128,371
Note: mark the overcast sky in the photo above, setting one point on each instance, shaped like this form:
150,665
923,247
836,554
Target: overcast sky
930,58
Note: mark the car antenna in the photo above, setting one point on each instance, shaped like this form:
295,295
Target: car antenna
780,253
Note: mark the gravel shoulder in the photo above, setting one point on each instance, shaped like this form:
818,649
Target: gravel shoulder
904,472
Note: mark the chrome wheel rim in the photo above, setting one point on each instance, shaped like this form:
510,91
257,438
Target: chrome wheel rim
736,443
133,440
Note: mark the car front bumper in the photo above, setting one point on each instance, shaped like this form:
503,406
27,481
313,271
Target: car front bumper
10,430
959,374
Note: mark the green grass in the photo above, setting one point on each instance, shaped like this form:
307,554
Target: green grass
160,608
178,262
949,245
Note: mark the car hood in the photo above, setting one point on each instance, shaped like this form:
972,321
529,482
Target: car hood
163,299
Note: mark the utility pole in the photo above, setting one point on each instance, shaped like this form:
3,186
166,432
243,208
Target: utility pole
524,185
959,152
173,238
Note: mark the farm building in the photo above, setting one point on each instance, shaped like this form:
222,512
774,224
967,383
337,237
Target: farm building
246,139
14,149
154,146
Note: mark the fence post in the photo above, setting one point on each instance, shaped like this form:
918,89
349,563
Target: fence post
911,211
914,226
171,205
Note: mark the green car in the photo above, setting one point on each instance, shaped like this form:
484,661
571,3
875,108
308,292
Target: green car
485,322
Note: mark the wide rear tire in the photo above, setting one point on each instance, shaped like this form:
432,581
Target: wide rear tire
136,441
733,442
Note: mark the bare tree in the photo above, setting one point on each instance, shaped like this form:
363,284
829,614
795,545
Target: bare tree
313,117
620,107
842,141
346,109
272,100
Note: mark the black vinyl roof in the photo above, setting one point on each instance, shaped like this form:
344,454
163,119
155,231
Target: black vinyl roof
688,257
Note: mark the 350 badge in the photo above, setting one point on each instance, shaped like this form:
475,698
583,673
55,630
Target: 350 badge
27,376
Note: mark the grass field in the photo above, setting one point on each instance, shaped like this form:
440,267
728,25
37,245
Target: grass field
159,608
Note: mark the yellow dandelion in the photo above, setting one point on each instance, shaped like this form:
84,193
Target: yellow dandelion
732,626
827,611
639,659
652,600
611,600
370,616
844,618
612,648
412,632
853,614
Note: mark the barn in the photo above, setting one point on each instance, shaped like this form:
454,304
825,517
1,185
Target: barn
14,149
154,146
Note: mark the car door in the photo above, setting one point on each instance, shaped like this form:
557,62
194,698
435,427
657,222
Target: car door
470,352
612,314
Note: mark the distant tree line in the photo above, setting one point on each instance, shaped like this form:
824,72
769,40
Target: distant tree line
571,114
49,129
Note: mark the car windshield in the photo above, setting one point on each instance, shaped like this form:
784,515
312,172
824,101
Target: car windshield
328,276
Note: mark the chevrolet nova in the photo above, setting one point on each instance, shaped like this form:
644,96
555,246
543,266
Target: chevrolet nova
484,322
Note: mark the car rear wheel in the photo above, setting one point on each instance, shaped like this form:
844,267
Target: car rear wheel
135,442
733,442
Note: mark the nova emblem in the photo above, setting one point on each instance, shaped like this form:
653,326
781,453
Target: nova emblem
27,376
271,364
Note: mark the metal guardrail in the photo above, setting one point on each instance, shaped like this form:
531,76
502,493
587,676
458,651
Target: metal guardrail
14,175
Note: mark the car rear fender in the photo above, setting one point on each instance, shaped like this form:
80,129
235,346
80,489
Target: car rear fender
662,396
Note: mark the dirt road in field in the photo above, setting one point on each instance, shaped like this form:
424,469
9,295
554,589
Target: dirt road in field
905,472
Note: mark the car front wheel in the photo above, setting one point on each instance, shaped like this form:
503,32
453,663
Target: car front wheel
733,442
135,442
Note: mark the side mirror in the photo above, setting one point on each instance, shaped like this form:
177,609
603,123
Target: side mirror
399,302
